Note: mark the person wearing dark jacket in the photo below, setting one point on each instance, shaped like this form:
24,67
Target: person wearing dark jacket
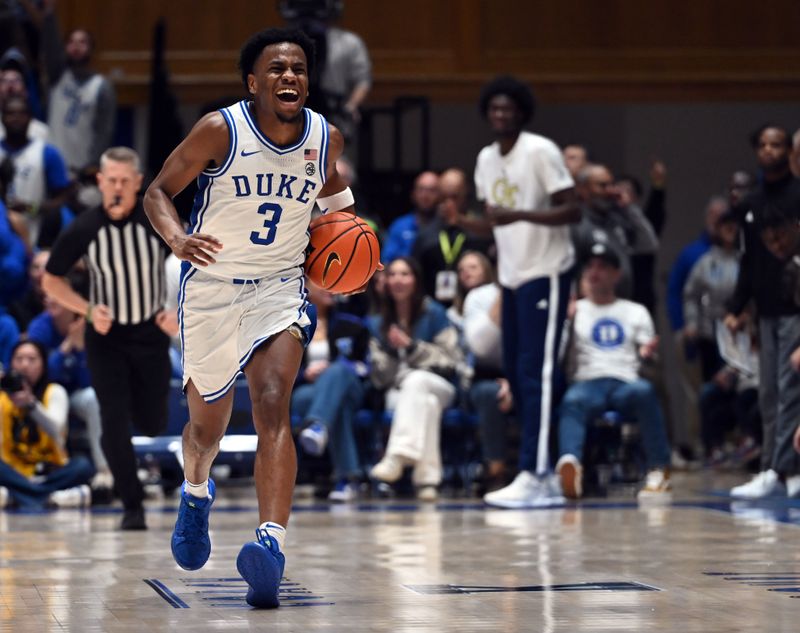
768,215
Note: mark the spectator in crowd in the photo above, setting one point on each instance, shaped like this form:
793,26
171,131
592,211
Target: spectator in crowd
728,403
710,284
34,465
403,231
740,183
345,74
126,347
769,217
82,104
476,312
630,192
611,337
440,244
415,354
61,333
13,253
530,201
330,389
32,303
576,157
795,157
606,219
41,185
12,84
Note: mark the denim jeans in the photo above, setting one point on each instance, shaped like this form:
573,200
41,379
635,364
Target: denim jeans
636,401
333,401
491,421
29,495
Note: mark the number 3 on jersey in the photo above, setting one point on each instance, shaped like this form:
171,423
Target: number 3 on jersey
270,224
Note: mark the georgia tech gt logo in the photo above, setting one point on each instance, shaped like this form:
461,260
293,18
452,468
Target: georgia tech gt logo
504,193
332,257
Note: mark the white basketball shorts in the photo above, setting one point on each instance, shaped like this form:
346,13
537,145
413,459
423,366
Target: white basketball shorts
222,322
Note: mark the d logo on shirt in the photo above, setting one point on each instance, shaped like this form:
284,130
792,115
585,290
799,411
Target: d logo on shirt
608,333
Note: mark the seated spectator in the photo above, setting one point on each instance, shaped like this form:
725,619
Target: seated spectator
403,231
13,251
32,303
61,332
12,84
330,390
40,187
611,337
415,354
710,284
623,229
477,314
34,465
729,403
440,244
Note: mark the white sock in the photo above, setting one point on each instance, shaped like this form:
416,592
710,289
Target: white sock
197,490
276,531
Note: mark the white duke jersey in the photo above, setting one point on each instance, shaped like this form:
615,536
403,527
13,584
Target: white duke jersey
258,202
523,180
606,339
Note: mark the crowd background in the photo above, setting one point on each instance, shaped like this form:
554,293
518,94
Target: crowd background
636,96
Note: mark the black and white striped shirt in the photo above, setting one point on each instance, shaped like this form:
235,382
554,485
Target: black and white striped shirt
125,260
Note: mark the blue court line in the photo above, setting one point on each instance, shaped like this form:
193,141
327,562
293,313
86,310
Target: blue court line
162,590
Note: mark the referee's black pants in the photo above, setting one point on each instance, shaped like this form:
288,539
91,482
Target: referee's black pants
130,371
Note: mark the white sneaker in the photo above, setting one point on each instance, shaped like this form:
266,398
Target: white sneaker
793,486
526,491
764,484
75,497
4,496
344,492
314,439
389,469
657,487
570,472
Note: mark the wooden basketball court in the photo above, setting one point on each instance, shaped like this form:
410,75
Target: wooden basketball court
703,564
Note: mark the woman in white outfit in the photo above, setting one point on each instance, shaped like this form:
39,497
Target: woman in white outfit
415,354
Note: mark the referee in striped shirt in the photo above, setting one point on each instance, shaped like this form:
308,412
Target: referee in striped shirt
127,344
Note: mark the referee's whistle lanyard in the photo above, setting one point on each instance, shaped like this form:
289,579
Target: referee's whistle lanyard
451,250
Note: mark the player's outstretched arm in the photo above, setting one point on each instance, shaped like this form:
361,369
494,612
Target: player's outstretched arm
334,184
206,144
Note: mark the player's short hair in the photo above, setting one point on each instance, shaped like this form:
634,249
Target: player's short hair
121,154
253,47
775,217
755,136
513,88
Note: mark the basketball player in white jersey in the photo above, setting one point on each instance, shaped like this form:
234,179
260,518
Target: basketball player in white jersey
260,164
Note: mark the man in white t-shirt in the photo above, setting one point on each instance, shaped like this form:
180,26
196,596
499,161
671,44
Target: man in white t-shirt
610,338
530,201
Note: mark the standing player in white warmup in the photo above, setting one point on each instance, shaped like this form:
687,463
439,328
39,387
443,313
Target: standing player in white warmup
260,164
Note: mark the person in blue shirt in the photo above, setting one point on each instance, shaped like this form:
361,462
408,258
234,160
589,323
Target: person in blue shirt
403,231
61,333
740,184
13,265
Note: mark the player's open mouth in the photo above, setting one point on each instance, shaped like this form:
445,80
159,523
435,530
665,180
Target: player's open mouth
288,95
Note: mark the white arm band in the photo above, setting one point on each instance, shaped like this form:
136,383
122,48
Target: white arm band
337,201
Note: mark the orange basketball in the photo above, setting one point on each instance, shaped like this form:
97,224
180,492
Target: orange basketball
343,252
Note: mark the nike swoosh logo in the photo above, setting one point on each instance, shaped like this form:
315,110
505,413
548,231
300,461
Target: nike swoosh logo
246,154
285,279
333,257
